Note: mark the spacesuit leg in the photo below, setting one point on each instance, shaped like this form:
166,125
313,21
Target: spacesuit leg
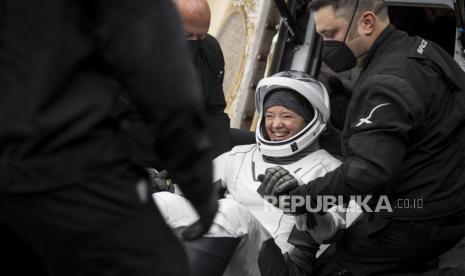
232,221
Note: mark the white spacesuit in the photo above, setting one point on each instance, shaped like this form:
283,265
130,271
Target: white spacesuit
239,169
244,213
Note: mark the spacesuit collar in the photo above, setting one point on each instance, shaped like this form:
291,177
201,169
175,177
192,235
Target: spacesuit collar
293,158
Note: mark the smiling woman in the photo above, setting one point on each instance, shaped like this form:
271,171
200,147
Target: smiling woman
299,94
282,123
286,113
267,240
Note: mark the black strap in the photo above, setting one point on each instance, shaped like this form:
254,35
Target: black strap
289,21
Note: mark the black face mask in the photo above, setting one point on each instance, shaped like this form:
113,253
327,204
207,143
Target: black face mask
338,56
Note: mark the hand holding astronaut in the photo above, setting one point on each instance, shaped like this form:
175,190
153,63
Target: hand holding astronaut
276,181
276,184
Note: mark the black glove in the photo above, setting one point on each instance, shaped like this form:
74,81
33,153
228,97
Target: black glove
206,213
276,181
159,181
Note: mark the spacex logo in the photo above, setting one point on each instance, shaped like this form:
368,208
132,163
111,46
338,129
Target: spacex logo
367,120
422,46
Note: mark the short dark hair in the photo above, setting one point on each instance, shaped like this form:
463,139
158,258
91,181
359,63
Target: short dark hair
346,8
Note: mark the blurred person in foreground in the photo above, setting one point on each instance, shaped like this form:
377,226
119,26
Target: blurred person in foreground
70,197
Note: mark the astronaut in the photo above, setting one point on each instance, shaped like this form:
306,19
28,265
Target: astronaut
294,110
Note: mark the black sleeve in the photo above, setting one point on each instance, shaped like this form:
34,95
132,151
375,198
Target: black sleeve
218,120
302,258
384,112
140,136
142,42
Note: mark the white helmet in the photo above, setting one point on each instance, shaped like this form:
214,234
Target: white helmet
312,90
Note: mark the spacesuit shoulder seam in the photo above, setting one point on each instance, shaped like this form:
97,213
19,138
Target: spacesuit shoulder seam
242,149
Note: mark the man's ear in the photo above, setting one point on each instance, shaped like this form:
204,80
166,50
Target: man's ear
367,23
